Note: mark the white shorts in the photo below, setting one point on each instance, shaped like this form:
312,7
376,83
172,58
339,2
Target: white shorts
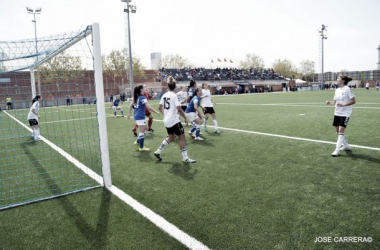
191,116
117,108
141,122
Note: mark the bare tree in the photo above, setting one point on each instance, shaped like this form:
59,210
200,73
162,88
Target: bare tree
175,62
252,61
307,69
285,68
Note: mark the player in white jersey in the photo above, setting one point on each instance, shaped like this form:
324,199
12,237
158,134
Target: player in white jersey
208,107
182,98
344,98
33,117
170,107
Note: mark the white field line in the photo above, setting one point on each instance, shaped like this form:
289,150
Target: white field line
156,219
288,105
290,137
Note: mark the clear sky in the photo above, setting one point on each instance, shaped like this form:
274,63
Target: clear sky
201,30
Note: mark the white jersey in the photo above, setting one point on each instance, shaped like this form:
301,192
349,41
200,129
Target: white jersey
367,85
206,98
182,96
343,95
36,106
170,102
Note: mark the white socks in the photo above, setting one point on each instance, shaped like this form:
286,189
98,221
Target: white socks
340,141
215,123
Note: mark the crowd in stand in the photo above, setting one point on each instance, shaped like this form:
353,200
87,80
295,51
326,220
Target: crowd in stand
230,74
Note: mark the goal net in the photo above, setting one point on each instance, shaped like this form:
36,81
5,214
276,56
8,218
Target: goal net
71,153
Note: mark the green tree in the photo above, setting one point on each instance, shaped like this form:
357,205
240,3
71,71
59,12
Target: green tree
61,69
175,62
252,61
117,65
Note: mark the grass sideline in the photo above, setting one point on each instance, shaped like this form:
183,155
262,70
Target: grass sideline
245,192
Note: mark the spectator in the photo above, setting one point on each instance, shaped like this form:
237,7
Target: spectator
9,102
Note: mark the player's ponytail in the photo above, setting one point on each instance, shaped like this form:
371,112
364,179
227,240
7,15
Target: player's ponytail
346,79
136,93
36,99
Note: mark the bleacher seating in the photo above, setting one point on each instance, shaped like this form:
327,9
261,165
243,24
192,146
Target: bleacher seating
223,74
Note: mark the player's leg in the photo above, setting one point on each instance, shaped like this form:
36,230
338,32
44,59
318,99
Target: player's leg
134,130
164,143
150,119
114,111
341,139
121,111
198,123
141,138
215,123
205,119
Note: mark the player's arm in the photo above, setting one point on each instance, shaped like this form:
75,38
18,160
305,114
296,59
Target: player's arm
151,109
35,112
351,102
181,113
161,108
330,102
130,110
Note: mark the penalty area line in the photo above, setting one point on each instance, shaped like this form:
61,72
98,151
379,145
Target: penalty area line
149,214
290,137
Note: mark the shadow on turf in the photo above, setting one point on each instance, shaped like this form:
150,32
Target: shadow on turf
362,157
98,237
183,170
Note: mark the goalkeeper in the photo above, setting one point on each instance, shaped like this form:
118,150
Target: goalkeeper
33,117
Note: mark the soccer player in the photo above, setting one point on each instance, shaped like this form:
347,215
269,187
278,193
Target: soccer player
147,112
139,103
344,98
208,108
9,102
33,117
170,107
192,87
367,87
182,98
115,106
194,115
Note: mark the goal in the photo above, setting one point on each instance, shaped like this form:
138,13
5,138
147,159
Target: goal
72,153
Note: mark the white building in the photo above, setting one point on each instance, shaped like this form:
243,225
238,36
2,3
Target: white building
155,60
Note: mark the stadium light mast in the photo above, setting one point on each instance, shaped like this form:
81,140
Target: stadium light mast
130,8
323,37
34,12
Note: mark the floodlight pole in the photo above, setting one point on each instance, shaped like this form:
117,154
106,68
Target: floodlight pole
323,37
130,7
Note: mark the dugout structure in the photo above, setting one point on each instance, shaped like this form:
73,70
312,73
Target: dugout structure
72,155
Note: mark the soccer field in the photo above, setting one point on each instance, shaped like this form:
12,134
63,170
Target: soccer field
267,181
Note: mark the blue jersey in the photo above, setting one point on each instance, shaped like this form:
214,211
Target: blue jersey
139,107
191,92
116,102
190,108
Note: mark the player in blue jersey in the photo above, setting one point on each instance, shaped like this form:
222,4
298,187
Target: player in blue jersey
139,103
116,106
192,87
194,115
